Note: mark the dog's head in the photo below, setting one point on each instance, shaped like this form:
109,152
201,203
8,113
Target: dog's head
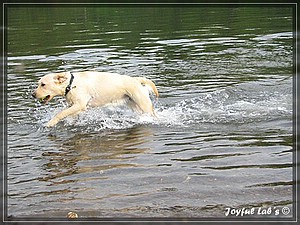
50,86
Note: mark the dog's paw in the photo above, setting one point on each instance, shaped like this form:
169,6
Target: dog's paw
51,123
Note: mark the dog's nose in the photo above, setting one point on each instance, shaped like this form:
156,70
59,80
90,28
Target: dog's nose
33,94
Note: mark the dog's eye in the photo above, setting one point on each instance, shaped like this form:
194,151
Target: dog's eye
43,84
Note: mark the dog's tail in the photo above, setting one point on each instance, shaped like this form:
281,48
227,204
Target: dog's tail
149,83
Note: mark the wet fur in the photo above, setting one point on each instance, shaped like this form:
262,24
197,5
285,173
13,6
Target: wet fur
93,89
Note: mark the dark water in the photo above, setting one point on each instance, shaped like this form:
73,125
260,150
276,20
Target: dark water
223,136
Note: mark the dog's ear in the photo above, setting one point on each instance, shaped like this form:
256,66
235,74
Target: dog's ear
60,78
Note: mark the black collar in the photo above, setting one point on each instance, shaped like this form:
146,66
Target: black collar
68,88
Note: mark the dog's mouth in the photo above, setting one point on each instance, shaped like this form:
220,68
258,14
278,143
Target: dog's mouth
46,99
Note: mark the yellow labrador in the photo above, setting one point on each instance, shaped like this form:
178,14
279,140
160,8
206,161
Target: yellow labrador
91,89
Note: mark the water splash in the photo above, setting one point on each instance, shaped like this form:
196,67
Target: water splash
230,106
227,106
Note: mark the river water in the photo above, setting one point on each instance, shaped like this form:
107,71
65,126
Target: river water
223,136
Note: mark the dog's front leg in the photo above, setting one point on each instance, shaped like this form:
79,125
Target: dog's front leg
75,109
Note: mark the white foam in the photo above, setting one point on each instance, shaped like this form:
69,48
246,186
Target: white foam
222,106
